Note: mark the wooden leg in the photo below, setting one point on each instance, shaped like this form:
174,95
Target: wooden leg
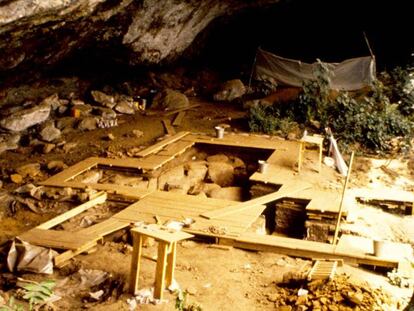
161,269
135,262
300,156
172,256
320,158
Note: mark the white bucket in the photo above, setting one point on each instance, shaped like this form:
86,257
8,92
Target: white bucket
379,248
263,166
219,132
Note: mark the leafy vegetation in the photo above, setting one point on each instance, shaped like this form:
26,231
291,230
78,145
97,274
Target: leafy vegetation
378,119
181,303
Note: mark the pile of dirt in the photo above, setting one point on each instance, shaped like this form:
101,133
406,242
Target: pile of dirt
335,295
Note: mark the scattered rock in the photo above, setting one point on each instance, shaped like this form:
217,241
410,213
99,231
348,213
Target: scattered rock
65,123
125,107
106,113
104,99
221,173
9,142
170,100
196,171
90,177
16,178
138,133
56,166
68,147
29,170
88,124
50,133
48,148
111,136
173,176
230,90
191,290
26,118
52,101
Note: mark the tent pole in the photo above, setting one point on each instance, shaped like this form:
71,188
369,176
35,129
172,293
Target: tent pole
368,45
251,71
338,221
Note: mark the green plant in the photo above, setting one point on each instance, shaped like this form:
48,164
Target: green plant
315,98
37,293
11,306
182,305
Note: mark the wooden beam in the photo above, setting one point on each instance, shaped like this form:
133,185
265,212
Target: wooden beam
101,198
179,118
168,127
284,191
161,144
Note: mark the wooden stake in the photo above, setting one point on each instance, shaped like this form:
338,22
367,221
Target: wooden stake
338,221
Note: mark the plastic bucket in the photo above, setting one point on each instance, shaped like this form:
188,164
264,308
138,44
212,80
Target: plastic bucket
379,248
263,165
219,132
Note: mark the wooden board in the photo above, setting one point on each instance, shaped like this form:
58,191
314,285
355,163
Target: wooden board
168,127
173,206
179,118
305,249
237,140
176,148
105,227
158,146
57,239
101,198
392,250
284,191
162,233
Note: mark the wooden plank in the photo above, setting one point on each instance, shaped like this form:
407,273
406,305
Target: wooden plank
57,239
171,259
101,198
72,171
161,233
61,259
158,146
126,191
176,148
168,127
179,118
105,227
304,249
284,191
237,140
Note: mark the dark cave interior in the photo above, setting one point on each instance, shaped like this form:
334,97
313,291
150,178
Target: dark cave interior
305,30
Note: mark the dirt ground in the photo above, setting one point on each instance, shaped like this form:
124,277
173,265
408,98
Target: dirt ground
217,279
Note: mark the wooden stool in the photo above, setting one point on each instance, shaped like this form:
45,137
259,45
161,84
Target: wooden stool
310,140
167,252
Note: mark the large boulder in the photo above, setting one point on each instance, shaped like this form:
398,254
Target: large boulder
230,90
221,174
228,193
26,118
170,100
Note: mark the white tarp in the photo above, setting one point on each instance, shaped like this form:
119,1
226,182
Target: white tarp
351,74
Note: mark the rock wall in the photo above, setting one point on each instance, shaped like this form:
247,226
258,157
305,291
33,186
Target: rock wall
38,33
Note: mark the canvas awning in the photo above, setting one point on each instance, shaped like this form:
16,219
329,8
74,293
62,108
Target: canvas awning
351,74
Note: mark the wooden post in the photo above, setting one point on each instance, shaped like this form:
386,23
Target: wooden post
172,256
161,269
338,221
135,262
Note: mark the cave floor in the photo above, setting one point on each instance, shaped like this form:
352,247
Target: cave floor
216,278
